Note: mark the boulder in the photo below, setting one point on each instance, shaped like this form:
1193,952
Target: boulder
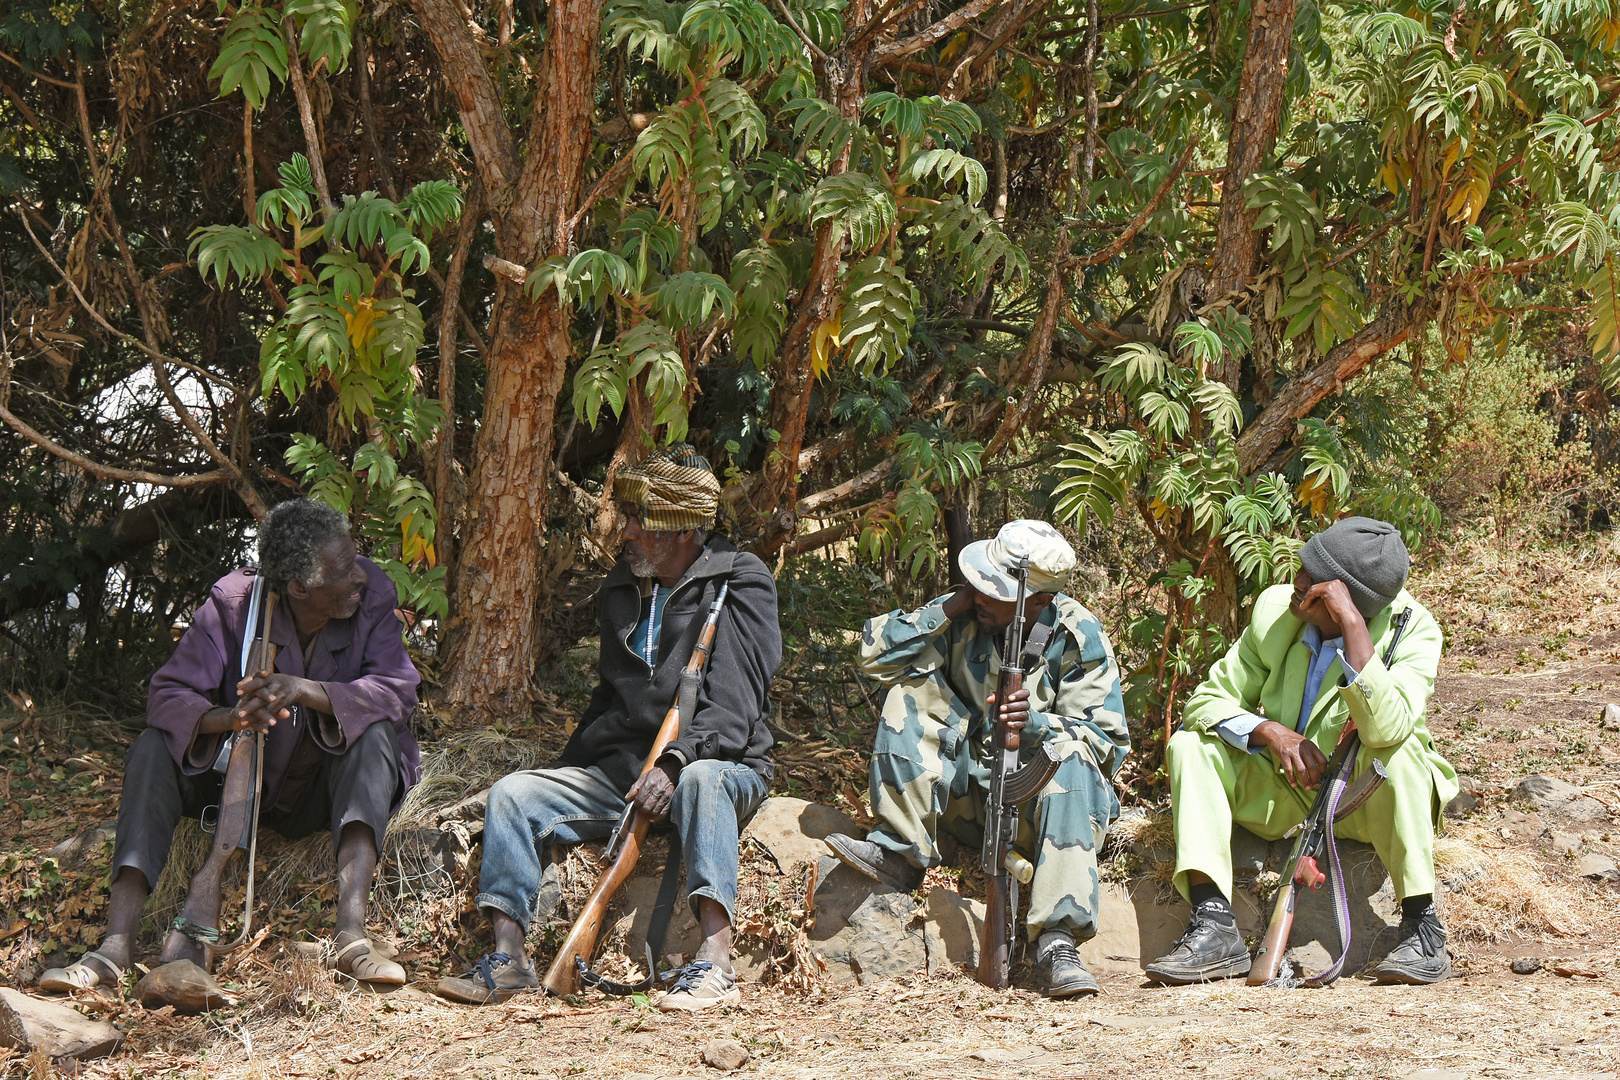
28,1024
1553,796
184,985
1565,844
1611,717
86,845
864,930
1520,828
792,830
1463,804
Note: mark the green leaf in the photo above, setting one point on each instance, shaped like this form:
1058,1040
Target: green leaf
879,307
431,205
901,116
760,280
224,250
251,52
857,204
1134,367
950,168
1326,304
328,28
687,299
363,220
1093,484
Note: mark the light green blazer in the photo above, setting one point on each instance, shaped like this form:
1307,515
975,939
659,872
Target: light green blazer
1264,673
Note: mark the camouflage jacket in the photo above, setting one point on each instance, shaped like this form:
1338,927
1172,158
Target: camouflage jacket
1075,695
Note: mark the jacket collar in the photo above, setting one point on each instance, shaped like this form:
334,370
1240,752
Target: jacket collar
716,561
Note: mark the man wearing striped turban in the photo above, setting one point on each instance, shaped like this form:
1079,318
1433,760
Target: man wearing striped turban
651,609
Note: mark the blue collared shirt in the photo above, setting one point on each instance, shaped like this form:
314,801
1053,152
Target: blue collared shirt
1236,730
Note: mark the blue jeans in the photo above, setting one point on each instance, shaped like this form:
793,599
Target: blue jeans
529,810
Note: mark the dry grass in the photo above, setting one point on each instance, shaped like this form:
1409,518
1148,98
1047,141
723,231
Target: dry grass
1495,893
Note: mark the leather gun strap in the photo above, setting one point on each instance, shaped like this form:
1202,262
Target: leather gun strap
1035,646
686,700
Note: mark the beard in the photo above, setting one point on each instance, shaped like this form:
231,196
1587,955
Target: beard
642,565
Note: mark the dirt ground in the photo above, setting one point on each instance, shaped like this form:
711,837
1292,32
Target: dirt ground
1533,657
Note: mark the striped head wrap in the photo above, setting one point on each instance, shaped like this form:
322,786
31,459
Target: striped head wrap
673,490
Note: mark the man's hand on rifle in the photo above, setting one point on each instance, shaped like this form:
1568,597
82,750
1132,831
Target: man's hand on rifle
1013,716
270,697
655,790
1302,761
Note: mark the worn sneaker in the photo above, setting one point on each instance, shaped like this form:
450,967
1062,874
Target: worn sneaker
1059,968
877,863
1421,956
701,985
1207,949
497,977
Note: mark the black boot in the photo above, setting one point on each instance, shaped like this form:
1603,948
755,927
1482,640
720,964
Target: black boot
1421,956
1059,968
877,863
1210,948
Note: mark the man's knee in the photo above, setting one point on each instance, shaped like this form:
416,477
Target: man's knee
377,743
1189,749
149,757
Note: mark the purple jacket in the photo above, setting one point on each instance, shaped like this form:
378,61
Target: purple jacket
361,661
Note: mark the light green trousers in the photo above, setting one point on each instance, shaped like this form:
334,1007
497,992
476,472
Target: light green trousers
1214,786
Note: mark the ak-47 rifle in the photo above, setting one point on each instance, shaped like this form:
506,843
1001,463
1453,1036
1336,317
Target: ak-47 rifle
572,965
1337,797
1010,786
236,828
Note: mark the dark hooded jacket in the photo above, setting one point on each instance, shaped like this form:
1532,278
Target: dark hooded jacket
630,701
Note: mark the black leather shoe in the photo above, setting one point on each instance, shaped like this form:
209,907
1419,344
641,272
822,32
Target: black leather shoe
1206,950
877,863
1059,968
1421,957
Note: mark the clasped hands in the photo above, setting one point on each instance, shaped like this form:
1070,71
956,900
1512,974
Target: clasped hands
655,790
263,699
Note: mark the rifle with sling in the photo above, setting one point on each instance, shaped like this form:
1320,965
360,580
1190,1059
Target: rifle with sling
236,826
1338,797
571,968
1010,786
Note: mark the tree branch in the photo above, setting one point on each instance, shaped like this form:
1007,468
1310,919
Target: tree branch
943,28
306,117
110,472
1098,257
793,23
477,101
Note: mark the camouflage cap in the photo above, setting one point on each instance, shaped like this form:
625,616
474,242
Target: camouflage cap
672,491
990,564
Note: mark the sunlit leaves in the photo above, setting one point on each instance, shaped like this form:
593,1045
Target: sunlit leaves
327,29
251,53
857,204
879,307
1579,230
949,168
1324,304
688,299
226,250
1288,210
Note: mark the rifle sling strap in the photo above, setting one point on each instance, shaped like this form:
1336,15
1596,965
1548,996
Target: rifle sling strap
686,699
663,909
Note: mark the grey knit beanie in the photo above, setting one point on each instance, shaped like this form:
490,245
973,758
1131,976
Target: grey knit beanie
1368,555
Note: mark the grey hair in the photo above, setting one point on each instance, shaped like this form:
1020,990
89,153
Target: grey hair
291,538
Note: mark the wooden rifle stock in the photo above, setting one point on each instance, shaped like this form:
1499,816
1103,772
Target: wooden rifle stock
237,825
562,978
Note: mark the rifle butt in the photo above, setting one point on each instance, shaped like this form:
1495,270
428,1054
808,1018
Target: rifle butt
994,958
562,978
1268,960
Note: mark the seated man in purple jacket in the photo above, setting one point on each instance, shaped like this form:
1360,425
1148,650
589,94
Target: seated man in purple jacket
709,781
338,751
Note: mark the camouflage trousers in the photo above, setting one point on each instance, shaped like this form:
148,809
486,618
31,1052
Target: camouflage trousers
930,771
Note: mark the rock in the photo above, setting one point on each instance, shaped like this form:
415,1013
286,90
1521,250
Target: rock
725,1054
951,932
870,930
1521,828
1565,844
1462,805
1553,796
792,829
1525,965
1309,958
1597,867
87,845
28,1024
184,985
1611,717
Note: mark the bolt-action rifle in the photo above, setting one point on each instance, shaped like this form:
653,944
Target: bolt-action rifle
1010,786
1337,797
571,968
236,824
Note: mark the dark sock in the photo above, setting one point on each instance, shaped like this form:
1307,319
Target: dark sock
1416,907
1207,901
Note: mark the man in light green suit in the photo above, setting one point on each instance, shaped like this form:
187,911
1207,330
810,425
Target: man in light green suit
1257,734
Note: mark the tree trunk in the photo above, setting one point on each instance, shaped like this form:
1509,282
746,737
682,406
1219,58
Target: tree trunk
1256,116
493,640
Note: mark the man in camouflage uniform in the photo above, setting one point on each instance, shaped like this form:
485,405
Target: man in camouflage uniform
930,760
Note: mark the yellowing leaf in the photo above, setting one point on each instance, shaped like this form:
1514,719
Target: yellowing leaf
1449,156
361,322
953,48
1469,199
822,343
1160,509
1317,494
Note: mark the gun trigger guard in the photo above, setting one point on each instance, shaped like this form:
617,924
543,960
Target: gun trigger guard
209,821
